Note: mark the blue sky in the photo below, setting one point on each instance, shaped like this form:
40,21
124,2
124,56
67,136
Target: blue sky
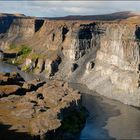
63,8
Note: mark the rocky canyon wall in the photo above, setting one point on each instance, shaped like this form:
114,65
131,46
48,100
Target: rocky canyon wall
116,71
6,21
102,55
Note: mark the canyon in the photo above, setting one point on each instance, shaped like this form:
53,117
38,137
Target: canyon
100,52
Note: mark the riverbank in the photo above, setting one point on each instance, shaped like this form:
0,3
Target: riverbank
108,119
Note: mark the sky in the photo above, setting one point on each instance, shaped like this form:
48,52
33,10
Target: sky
64,8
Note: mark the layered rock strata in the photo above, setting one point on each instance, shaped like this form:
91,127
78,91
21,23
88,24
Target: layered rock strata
116,71
37,110
104,55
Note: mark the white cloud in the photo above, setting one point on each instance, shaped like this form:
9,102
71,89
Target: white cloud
63,8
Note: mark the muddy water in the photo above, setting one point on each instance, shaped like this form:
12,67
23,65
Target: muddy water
108,119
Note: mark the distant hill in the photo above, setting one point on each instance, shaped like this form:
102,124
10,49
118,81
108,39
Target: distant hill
11,15
105,17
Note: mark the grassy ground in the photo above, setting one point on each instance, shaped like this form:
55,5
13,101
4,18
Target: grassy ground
21,52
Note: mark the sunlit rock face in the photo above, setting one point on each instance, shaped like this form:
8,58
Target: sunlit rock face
83,38
118,56
6,21
22,28
119,47
116,71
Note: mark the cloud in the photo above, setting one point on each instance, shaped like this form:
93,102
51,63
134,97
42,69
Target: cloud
63,8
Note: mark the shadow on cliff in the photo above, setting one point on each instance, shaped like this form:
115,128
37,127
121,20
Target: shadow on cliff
137,32
10,55
88,43
6,23
6,134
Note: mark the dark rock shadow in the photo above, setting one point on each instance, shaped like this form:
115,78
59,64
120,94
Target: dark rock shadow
38,24
9,55
137,32
6,134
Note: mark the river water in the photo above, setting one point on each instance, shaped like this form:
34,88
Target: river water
11,68
108,119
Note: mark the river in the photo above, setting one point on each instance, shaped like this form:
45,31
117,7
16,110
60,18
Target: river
11,68
108,119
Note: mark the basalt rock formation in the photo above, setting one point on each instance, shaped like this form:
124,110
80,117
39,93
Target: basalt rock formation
102,54
38,107
6,21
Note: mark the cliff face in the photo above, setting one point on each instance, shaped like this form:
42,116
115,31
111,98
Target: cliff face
119,52
6,21
21,28
102,55
17,29
24,28
116,71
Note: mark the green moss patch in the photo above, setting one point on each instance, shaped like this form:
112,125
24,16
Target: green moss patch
25,50
22,51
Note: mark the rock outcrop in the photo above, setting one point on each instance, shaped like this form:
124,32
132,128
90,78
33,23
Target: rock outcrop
38,110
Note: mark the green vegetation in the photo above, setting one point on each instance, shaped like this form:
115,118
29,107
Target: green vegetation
22,51
25,68
25,50
34,56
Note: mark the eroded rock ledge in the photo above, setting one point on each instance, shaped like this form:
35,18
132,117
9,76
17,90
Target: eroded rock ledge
39,108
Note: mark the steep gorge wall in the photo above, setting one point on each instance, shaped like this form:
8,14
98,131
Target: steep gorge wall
18,29
22,28
6,21
119,52
102,55
105,57
116,71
